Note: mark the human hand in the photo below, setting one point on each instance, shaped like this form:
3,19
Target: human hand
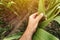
33,21
32,25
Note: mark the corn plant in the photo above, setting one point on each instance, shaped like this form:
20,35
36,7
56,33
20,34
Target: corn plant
50,14
8,4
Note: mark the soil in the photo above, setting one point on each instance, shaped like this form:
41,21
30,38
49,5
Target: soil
54,28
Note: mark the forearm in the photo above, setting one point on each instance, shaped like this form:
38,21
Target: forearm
27,35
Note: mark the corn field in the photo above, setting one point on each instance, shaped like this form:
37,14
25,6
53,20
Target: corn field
14,16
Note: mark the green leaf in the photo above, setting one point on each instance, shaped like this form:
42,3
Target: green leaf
41,6
51,11
57,19
46,22
13,36
9,4
51,14
43,35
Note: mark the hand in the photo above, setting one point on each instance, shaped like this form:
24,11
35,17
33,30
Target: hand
33,21
32,25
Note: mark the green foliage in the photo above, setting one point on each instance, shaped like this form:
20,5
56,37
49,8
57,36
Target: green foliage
8,4
57,19
43,35
41,8
3,31
50,14
15,36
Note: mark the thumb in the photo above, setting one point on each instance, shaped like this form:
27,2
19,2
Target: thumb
39,17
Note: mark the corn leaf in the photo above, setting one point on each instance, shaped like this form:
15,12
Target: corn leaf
51,14
41,6
43,35
53,9
15,36
57,19
45,23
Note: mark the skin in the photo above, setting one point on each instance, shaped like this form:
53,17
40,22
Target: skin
32,26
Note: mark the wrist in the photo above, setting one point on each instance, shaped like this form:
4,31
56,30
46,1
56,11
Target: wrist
27,34
30,28
29,31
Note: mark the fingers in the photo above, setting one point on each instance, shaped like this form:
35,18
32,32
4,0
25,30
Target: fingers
40,16
34,15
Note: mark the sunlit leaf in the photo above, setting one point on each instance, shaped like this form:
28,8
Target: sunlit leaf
57,19
51,14
41,6
43,35
9,4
